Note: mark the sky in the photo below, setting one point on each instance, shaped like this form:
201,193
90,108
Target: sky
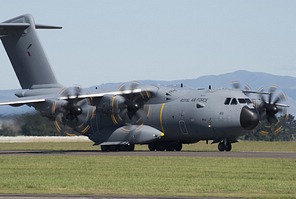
105,41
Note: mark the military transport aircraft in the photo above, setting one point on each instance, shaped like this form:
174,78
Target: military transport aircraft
162,117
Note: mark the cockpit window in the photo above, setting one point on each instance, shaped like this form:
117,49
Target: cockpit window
227,100
233,101
248,101
242,101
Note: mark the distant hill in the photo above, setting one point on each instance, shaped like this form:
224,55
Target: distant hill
254,80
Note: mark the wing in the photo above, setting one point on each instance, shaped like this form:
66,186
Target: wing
23,100
42,98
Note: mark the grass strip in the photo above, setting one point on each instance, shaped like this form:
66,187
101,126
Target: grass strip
148,176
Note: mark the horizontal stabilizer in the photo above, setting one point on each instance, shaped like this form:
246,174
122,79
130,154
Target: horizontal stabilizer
13,25
4,27
39,26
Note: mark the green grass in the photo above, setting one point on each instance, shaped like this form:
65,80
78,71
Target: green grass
148,176
158,176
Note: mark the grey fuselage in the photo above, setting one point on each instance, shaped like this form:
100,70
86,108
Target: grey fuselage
184,115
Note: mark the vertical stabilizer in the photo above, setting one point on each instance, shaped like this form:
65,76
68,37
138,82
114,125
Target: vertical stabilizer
25,52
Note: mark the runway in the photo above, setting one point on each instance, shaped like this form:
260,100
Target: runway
156,153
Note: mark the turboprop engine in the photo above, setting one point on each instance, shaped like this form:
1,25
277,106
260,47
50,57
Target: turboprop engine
69,114
126,114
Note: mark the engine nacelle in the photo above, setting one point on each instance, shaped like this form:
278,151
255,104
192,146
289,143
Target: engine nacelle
111,104
69,115
50,108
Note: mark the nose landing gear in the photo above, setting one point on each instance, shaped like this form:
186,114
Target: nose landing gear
224,146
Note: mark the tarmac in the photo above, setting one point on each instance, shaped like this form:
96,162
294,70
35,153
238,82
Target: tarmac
155,153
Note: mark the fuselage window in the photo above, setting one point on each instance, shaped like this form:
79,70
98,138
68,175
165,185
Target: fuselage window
227,101
233,101
199,106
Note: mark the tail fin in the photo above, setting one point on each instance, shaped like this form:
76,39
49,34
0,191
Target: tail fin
25,52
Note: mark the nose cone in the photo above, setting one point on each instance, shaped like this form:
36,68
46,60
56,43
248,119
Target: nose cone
249,118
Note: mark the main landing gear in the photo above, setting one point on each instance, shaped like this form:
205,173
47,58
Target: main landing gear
127,147
165,146
224,146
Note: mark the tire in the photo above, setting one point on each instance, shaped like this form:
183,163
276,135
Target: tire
228,147
170,146
161,147
131,147
178,146
105,148
221,146
152,147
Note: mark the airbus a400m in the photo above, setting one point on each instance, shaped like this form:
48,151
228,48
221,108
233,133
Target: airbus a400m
164,118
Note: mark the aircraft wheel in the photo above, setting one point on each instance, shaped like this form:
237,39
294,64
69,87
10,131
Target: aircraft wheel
114,147
170,146
160,147
221,146
152,146
178,146
105,148
127,147
123,147
131,147
228,146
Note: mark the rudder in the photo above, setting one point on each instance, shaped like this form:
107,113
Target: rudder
26,54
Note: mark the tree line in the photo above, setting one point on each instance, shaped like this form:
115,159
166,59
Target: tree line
28,124
33,124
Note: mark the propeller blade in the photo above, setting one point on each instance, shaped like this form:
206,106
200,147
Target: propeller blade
271,106
134,85
132,104
271,93
271,119
236,85
75,113
281,97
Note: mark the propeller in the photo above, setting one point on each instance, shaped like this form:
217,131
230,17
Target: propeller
71,109
129,108
271,106
268,106
74,114
133,106
246,90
